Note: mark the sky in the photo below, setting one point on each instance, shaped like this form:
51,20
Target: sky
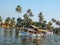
49,8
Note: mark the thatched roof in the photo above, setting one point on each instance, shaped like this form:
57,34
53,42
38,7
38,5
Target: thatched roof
34,28
41,30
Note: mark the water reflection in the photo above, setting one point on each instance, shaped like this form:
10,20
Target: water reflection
11,37
11,32
16,33
24,40
5,33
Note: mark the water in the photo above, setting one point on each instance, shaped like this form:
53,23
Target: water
10,37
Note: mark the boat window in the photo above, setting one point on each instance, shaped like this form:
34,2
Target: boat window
35,29
35,32
30,31
25,30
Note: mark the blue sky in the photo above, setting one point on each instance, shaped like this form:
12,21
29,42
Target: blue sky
49,8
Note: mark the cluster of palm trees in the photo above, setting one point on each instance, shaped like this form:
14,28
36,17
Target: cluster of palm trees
27,17
56,21
28,21
42,24
8,22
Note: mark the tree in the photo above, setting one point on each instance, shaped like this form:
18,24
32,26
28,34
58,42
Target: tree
26,19
0,20
30,12
19,9
30,21
53,20
7,21
44,25
58,23
40,18
49,25
12,22
19,20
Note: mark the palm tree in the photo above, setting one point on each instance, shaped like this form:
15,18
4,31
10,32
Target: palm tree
49,25
53,20
19,9
58,23
7,21
27,16
44,24
26,19
30,21
29,12
12,22
19,20
0,20
41,17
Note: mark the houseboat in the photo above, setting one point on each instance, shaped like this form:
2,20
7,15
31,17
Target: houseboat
35,31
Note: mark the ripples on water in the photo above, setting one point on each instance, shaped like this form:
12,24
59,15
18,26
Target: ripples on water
10,37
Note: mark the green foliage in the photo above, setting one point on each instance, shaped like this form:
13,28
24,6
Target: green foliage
53,20
25,16
40,27
56,21
36,24
44,25
40,17
28,21
19,20
7,21
19,9
30,12
12,22
0,19
49,25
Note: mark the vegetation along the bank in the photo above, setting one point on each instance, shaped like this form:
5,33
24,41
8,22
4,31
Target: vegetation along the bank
27,20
